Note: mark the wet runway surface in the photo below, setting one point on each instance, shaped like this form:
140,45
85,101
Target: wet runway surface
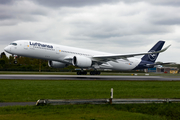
86,77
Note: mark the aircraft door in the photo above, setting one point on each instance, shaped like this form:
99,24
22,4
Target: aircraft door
25,45
58,50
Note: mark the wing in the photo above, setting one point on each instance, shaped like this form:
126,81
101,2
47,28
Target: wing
114,57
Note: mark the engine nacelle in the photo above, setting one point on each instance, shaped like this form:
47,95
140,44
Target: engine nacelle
55,64
81,61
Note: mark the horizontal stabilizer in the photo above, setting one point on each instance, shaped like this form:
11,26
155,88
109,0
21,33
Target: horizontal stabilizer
167,63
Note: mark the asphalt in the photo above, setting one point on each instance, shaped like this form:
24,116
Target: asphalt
87,77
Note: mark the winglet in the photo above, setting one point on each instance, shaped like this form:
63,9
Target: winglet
164,49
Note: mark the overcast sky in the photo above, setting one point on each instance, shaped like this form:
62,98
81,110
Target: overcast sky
115,26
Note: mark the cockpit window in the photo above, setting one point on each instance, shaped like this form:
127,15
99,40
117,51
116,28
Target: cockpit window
13,44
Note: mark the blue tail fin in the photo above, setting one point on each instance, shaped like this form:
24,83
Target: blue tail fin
152,57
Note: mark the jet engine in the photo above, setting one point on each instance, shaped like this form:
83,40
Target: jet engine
81,61
55,64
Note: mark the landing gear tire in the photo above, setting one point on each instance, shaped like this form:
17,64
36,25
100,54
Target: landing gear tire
95,73
81,73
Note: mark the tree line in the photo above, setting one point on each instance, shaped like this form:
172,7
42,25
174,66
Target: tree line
19,63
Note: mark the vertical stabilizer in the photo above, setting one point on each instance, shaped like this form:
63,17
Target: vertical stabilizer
152,57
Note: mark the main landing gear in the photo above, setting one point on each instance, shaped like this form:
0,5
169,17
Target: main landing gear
91,73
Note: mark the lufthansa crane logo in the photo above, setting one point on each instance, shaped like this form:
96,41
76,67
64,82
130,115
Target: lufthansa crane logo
152,56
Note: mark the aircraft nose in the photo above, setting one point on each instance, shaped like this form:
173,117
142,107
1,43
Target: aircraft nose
7,49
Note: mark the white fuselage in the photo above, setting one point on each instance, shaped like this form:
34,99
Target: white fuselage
61,53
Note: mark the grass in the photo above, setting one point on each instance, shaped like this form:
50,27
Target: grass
32,90
37,73
75,112
93,112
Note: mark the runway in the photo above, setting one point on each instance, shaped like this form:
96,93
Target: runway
87,77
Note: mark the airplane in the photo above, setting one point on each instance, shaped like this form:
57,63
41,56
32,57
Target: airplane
60,56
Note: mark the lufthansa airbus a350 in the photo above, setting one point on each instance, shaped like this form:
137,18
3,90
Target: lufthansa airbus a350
60,56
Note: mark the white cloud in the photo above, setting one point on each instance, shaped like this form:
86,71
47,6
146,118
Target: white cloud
116,27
